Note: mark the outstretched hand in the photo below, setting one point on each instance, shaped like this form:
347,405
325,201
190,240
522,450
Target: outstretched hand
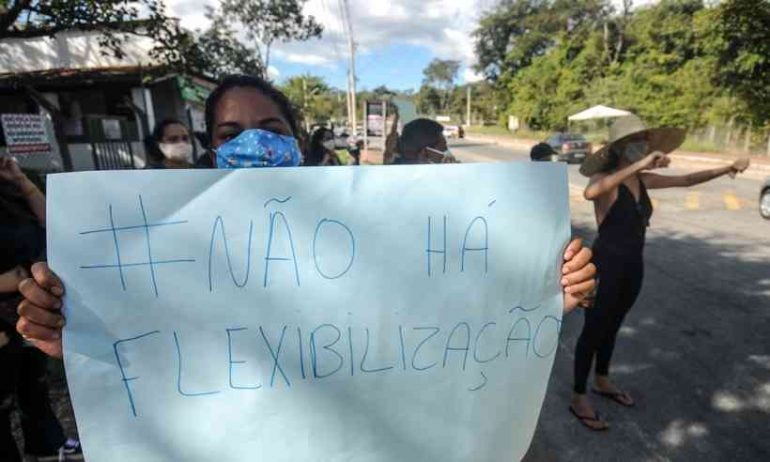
739,166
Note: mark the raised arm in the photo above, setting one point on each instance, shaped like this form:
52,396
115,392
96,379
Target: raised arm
655,181
603,184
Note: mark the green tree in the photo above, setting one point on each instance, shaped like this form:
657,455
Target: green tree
428,101
383,92
214,52
218,52
268,21
737,34
515,32
440,74
318,102
116,20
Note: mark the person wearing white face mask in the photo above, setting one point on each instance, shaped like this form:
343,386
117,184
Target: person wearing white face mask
620,177
169,146
322,149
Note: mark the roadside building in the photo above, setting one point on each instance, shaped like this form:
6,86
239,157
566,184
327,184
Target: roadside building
95,109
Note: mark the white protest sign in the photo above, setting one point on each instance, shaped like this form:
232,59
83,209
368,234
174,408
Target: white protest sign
25,134
404,313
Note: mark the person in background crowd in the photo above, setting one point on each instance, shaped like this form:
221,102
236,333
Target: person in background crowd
23,369
542,152
618,187
423,142
322,149
391,141
250,124
353,150
169,146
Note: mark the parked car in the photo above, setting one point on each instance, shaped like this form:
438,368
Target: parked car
451,131
570,147
764,200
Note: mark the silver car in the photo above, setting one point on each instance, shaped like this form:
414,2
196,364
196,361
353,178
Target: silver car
764,200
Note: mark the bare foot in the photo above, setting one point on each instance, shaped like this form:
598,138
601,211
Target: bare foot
583,410
605,388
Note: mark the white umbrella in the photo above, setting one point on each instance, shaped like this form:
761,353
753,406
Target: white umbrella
598,112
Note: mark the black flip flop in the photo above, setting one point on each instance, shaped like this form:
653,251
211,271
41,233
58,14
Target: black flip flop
615,396
585,419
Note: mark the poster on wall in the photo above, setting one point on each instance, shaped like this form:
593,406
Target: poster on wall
25,134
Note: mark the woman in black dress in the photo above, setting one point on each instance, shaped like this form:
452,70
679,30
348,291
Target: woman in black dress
620,177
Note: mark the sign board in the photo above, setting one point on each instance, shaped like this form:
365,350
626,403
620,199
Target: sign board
25,134
307,314
513,123
111,129
375,118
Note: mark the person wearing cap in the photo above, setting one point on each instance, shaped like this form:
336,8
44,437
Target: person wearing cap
620,175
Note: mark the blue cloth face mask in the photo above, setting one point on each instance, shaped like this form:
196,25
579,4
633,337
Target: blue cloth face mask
259,148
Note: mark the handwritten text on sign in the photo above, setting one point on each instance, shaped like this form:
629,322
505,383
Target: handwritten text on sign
382,313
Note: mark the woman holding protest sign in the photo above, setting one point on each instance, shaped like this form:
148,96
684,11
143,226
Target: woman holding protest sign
250,124
620,177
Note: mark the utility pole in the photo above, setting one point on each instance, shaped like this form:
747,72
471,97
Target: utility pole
304,104
468,107
345,7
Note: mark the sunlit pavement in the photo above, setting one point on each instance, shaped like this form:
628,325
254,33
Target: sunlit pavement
695,349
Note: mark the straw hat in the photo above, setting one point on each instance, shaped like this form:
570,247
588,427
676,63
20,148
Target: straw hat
665,140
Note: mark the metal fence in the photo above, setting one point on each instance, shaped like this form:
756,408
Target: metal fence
113,155
737,140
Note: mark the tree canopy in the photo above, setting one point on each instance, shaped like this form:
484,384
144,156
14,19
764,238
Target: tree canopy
213,52
437,86
318,102
677,62
268,21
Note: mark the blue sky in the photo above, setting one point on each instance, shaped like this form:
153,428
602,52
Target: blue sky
397,66
396,39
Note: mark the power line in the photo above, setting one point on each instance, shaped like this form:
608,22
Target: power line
345,9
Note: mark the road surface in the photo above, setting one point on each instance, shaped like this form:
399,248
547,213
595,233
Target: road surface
695,349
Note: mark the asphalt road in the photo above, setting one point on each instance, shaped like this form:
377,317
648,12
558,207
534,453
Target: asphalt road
695,349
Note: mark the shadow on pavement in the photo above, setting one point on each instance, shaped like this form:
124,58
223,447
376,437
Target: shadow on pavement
694,352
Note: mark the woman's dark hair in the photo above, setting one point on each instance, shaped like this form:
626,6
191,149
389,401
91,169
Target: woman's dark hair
315,153
154,154
257,83
419,134
614,158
